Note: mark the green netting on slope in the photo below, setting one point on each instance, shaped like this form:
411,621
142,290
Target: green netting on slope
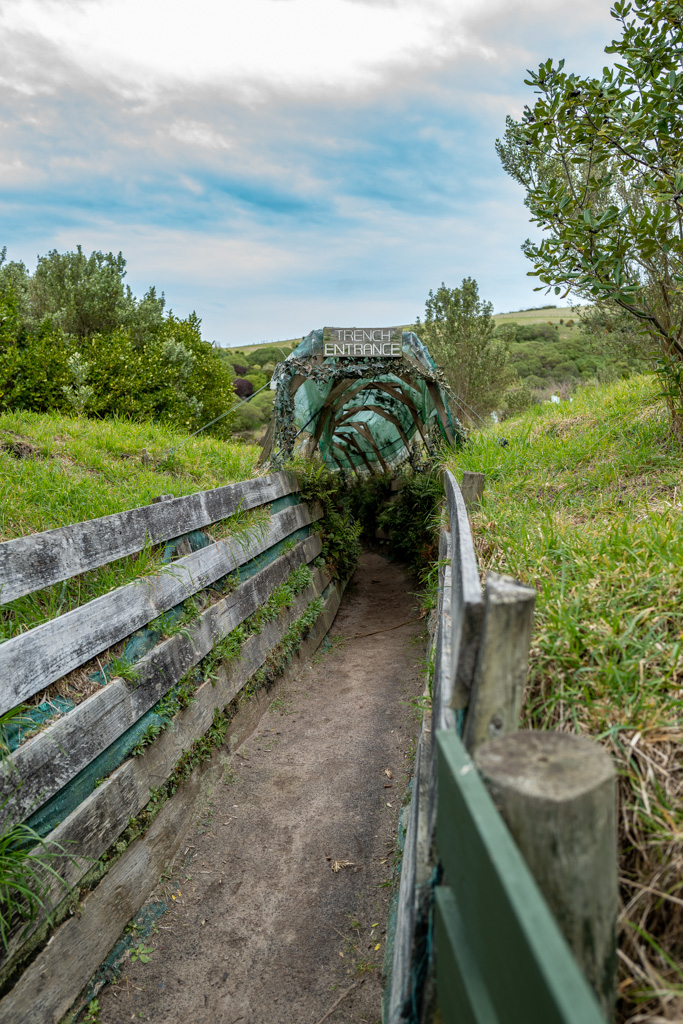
372,421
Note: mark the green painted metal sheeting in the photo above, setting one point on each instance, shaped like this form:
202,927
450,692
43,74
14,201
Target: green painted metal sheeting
500,957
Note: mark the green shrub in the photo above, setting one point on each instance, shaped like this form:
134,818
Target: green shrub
341,547
33,374
255,413
519,398
412,521
365,499
258,379
170,374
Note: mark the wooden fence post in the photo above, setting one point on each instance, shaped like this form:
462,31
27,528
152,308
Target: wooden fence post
502,663
472,489
557,794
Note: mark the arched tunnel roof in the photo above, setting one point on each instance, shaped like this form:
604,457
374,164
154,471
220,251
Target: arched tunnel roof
362,410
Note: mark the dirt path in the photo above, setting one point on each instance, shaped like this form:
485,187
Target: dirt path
262,930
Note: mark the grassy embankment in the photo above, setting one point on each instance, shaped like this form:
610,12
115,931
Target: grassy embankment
56,470
585,505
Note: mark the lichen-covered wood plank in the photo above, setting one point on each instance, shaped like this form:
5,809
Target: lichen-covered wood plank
101,818
442,688
472,489
41,559
401,971
48,761
50,984
31,661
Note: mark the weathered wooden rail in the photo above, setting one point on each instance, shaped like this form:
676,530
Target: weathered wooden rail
485,943
75,781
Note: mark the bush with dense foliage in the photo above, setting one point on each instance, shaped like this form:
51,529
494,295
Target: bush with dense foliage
255,414
409,517
543,353
74,338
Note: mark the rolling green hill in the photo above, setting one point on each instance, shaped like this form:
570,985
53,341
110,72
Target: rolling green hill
550,352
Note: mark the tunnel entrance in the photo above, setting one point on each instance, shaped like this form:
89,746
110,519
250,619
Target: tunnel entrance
368,400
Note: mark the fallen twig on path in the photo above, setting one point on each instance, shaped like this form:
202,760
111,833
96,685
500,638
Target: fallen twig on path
387,629
337,865
338,1001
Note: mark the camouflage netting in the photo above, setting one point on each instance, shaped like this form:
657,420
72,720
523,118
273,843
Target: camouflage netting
367,414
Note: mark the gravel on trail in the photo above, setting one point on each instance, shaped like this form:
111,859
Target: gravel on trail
278,904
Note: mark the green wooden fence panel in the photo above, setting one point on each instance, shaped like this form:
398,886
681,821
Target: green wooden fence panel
462,991
501,953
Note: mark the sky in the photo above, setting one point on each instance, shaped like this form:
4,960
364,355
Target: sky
279,165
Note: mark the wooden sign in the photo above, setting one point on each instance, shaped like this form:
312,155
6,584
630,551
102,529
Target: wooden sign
363,342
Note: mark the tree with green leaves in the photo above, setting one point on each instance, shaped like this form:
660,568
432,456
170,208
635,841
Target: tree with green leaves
74,338
81,295
601,160
458,329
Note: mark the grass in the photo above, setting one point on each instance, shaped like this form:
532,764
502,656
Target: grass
584,504
552,315
286,343
56,470
25,862
80,468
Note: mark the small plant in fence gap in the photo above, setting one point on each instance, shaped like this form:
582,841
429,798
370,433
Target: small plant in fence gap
26,859
92,1014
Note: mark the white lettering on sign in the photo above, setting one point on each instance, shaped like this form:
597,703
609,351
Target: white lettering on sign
363,342
383,348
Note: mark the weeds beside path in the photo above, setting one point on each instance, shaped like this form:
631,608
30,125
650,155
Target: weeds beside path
585,504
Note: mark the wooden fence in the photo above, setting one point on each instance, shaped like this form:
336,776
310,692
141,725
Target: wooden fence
484,944
75,781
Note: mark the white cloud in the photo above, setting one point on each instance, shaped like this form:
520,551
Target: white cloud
191,185
12,172
197,134
278,164
299,45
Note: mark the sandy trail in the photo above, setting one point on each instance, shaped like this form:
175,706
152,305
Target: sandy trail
262,930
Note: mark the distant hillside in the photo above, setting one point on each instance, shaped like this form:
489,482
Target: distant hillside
547,349
288,345
550,352
541,314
